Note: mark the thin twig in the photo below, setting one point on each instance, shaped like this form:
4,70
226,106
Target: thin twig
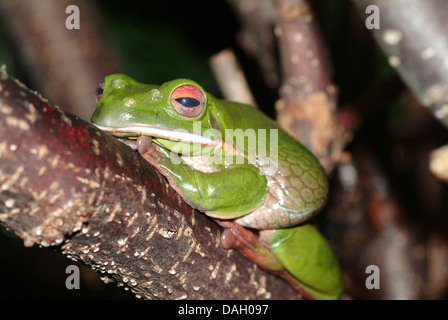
231,77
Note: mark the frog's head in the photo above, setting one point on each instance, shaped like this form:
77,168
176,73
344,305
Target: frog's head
179,111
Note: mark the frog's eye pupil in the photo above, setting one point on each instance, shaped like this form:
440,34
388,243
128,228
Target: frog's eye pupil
188,102
99,91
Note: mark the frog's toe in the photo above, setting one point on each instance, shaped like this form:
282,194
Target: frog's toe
143,144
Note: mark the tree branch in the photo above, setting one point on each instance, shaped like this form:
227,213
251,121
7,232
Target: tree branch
67,185
230,77
416,45
307,108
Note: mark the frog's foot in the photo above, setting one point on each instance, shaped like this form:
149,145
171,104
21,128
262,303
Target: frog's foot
151,152
141,145
248,244
144,144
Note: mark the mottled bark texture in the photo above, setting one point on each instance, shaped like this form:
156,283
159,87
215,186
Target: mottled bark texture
308,99
67,185
307,108
413,36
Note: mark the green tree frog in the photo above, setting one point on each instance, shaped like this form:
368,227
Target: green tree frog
231,162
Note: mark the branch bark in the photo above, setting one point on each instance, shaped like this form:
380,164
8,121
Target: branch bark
416,45
67,185
308,99
230,77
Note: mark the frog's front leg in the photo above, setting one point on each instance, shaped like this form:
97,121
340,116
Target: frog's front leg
223,194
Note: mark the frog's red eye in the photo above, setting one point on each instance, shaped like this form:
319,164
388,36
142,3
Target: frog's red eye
99,91
188,100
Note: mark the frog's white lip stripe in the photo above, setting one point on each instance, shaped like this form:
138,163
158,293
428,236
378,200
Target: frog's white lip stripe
163,134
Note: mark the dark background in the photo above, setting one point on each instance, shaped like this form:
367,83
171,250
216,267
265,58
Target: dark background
156,41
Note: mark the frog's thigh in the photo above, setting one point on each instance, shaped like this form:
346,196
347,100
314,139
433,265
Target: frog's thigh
225,193
306,254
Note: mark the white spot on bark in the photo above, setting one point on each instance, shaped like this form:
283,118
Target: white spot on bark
392,36
38,231
435,94
278,31
298,37
167,233
17,123
439,162
295,58
442,112
394,61
215,270
9,203
428,53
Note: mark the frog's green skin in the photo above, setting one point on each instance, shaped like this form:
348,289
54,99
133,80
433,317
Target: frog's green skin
250,192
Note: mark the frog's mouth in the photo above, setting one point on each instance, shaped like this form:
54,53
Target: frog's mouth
140,137
133,132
